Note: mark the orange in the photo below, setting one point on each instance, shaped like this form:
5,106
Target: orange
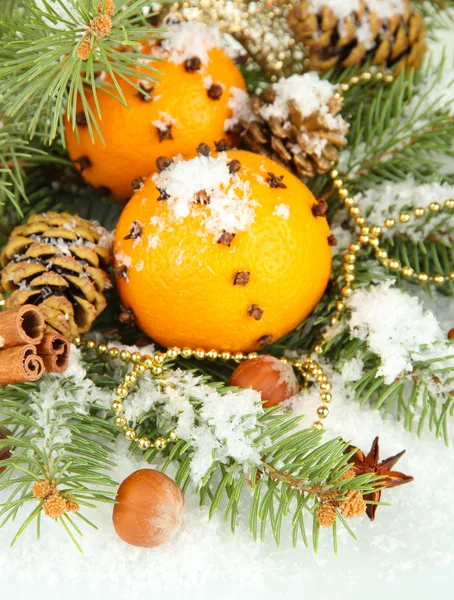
187,287
180,104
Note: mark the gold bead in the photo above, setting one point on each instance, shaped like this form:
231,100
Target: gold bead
422,277
374,242
451,276
346,291
334,173
117,406
394,264
364,230
173,437
186,353
318,349
334,321
449,204
144,443
321,378
388,78
157,370
131,378
354,248
239,357
297,364
225,356
407,272
172,353
375,230
379,76
342,193
366,76
381,254
325,387
147,362
125,355
354,80
404,217
90,344
102,349
439,279
136,357
322,412
434,207
121,391
199,354
318,425
212,354
348,277
120,421
419,212
340,306
130,434
363,239
114,352
360,221
354,211
77,341
316,371
390,223
344,87
338,183
349,267
349,258
139,369
349,201
158,357
326,397
252,355
160,443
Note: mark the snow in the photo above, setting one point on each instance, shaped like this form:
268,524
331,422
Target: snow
343,8
188,39
282,210
394,325
165,120
63,21
231,207
240,106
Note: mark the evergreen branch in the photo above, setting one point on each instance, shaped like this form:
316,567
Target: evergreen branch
45,74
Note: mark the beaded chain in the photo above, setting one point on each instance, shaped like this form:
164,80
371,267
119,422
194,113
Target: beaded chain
308,369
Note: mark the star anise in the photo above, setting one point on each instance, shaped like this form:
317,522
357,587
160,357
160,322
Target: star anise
369,464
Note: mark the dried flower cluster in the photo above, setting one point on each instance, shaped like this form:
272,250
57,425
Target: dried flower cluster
352,505
55,505
100,27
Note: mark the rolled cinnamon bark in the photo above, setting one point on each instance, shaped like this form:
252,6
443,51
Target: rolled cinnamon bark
19,326
20,364
54,350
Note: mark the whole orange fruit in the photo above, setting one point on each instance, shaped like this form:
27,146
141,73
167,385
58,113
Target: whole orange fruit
221,252
190,104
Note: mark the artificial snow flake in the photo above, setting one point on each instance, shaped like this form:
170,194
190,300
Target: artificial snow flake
185,40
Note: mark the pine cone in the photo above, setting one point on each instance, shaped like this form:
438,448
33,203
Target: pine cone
282,128
353,505
53,261
326,514
397,41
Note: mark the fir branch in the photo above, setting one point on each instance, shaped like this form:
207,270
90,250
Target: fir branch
45,75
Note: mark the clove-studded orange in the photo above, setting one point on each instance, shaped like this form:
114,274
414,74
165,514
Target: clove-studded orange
198,88
225,252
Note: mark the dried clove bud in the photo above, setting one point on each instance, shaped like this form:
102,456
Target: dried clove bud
121,271
255,312
226,238
203,149
137,183
134,232
241,278
332,240
84,163
275,181
265,340
234,166
163,195
192,64
215,91
162,163
126,316
164,133
319,209
222,145
145,92
201,197
81,119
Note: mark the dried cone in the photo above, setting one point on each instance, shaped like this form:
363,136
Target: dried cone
55,261
326,514
306,144
394,40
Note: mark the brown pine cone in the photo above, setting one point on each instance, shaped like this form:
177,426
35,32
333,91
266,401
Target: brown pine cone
353,505
55,261
326,514
336,39
297,124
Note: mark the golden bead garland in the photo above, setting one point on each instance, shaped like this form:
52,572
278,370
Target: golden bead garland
308,369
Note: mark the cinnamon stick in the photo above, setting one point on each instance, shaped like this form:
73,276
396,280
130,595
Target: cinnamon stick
20,364
54,351
19,326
